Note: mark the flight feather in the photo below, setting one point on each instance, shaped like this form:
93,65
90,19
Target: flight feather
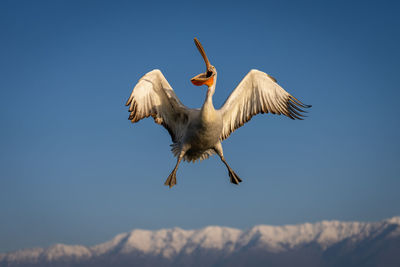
257,93
153,96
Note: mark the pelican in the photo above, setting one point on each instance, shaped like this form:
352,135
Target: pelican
198,133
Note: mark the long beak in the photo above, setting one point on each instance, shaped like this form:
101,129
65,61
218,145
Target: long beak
203,54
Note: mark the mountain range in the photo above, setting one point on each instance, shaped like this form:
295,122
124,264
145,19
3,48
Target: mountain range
326,243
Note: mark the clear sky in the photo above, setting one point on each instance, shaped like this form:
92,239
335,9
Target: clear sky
74,170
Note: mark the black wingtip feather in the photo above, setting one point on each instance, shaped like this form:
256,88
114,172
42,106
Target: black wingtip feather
298,102
293,106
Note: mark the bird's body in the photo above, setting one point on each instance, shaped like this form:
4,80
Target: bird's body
197,133
203,132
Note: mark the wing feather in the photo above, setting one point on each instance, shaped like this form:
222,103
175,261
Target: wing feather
258,92
153,96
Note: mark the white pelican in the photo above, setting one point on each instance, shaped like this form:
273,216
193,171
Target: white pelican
197,133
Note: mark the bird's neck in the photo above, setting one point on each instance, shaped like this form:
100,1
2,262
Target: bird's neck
208,103
210,92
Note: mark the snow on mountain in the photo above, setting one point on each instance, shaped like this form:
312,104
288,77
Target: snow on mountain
52,253
170,242
393,220
325,233
166,242
179,245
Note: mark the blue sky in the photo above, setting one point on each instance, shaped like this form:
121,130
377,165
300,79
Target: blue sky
74,170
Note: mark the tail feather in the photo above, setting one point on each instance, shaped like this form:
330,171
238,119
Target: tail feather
190,155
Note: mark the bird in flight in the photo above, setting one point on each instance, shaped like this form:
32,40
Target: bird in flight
198,133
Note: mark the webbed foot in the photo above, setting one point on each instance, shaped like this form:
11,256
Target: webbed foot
235,179
171,180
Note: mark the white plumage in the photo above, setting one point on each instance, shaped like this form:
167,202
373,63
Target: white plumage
153,96
197,133
258,92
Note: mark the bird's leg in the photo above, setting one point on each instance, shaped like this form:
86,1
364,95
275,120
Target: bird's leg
235,179
171,180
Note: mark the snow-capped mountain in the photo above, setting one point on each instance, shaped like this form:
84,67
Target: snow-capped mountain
326,243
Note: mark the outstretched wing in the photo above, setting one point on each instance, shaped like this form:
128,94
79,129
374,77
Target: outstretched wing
257,93
153,96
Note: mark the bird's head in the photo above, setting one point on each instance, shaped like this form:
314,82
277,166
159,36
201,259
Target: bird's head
206,78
